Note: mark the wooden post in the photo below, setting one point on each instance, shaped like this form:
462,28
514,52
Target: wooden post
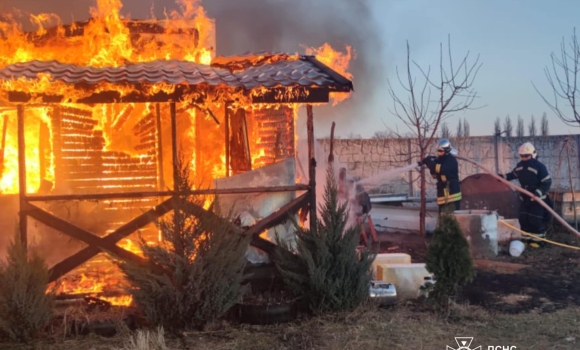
331,152
227,132
22,176
496,152
311,166
161,178
173,112
410,172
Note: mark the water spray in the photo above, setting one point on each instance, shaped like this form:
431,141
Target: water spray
518,188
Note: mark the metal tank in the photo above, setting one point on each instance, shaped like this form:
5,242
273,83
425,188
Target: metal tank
483,191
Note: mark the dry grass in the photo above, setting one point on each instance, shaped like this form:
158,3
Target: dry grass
399,328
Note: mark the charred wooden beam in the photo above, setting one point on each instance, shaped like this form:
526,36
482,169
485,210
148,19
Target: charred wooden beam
159,140
281,95
276,218
331,152
150,182
76,126
57,147
68,110
122,117
86,254
311,166
173,115
180,94
80,174
81,234
146,146
75,119
22,177
36,198
227,112
81,132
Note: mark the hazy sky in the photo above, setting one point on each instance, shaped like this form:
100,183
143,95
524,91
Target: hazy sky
513,37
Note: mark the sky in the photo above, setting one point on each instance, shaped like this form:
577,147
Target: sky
514,39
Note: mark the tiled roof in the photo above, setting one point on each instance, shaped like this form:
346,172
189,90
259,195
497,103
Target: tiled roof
275,71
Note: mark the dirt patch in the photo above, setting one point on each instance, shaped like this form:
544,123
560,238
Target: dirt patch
549,283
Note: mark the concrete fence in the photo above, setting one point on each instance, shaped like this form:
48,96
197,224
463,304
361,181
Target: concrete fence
370,158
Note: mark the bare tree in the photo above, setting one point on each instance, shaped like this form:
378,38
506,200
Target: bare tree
452,91
459,132
532,127
508,126
466,131
520,131
544,126
445,132
563,79
497,127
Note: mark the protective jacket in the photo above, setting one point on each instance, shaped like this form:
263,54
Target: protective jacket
533,176
445,170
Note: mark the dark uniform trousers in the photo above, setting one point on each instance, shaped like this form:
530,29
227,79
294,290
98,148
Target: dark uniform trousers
534,177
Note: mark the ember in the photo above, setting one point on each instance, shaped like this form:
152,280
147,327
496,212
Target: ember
90,99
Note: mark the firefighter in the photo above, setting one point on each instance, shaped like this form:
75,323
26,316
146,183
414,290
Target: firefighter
445,169
534,177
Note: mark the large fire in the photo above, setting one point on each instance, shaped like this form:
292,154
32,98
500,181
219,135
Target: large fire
106,40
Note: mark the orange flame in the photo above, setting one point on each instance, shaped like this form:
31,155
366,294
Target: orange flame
336,60
106,40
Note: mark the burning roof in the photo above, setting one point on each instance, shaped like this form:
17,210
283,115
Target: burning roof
264,72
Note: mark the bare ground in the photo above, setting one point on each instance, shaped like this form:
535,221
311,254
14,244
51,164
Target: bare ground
537,307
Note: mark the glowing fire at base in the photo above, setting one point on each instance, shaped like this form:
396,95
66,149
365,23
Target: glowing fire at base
107,40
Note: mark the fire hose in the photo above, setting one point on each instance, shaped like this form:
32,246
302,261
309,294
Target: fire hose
524,191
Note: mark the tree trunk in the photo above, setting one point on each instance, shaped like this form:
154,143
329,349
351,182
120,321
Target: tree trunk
423,209
423,191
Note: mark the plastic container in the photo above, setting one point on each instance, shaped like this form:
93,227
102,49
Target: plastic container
516,248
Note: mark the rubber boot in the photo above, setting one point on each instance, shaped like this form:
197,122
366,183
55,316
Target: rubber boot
536,243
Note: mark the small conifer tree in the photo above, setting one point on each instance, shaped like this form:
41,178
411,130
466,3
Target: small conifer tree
26,307
194,275
449,260
327,272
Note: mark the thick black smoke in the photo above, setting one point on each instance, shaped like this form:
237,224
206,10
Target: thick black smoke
274,25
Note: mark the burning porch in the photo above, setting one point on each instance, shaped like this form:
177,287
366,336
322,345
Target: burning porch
96,147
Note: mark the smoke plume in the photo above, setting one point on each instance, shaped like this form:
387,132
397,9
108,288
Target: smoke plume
273,25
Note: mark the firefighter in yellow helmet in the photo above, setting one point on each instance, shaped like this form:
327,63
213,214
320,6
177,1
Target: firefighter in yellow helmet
534,177
445,169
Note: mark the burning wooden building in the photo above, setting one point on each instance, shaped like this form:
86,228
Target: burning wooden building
95,114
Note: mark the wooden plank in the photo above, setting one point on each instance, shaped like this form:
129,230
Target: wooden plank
146,146
76,111
23,219
116,182
74,125
122,117
75,119
148,137
311,166
84,255
114,195
499,265
105,175
80,234
73,132
73,167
